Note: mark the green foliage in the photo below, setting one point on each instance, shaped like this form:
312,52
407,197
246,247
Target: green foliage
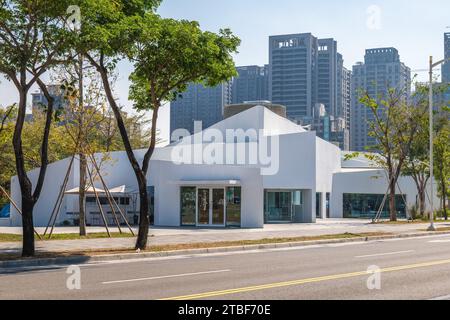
33,35
169,54
394,128
6,156
442,156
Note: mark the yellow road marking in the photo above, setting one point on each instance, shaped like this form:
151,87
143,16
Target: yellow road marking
304,281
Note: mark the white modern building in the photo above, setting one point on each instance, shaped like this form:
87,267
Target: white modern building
251,169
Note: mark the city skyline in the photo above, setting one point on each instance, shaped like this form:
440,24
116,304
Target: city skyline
265,18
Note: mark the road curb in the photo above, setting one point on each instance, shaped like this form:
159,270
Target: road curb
73,260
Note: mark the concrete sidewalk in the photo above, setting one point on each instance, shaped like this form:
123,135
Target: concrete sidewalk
164,236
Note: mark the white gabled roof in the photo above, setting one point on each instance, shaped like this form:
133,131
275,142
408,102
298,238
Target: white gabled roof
259,118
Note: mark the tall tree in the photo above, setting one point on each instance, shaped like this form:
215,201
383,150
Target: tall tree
100,40
167,56
177,52
417,161
442,158
394,128
31,42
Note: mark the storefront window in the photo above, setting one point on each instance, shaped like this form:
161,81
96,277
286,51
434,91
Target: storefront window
283,205
366,206
188,206
151,204
233,207
318,204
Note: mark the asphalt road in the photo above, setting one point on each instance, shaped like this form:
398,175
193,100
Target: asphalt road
416,268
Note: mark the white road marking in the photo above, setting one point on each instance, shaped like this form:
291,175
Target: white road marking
384,254
442,298
203,255
166,277
439,241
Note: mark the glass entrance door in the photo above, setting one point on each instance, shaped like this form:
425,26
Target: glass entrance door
203,206
218,207
211,207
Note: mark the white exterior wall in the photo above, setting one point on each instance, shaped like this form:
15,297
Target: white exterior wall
297,169
306,163
5,222
169,178
328,162
53,181
367,181
116,171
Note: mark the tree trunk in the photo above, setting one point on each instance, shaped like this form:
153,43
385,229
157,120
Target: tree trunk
82,195
422,201
28,227
28,249
392,206
444,198
144,223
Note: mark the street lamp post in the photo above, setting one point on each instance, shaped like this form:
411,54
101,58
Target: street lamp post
432,66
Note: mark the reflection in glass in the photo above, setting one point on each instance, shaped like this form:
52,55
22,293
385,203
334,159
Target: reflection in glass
218,207
151,204
283,206
279,206
203,206
367,205
234,206
188,206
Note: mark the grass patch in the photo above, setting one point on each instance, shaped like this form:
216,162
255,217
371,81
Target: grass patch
439,229
66,236
10,237
199,245
404,222
175,247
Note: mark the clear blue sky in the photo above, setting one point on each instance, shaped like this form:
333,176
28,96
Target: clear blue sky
411,26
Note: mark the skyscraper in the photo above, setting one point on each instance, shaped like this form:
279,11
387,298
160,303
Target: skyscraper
293,73
327,73
199,103
446,66
344,80
381,71
305,71
252,84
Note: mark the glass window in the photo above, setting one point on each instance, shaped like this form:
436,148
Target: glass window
218,207
233,206
103,200
367,205
124,201
318,204
328,195
188,206
151,203
203,206
5,211
283,206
